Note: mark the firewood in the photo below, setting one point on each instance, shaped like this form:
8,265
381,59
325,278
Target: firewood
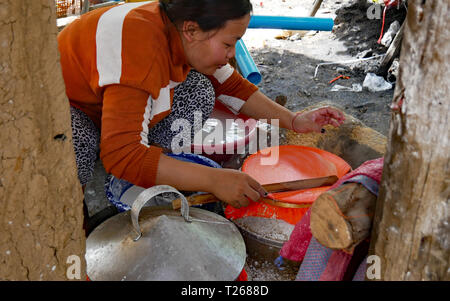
341,218
392,52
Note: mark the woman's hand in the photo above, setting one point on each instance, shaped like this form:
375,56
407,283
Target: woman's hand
313,121
236,188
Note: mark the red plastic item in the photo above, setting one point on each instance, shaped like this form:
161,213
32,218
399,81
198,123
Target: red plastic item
242,276
390,3
295,162
387,4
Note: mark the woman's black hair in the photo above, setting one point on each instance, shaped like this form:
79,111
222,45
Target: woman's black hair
209,14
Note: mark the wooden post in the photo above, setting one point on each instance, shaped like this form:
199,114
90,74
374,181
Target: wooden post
392,52
288,33
41,202
85,6
317,4
412,221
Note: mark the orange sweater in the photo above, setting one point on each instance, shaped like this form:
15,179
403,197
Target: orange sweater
120,65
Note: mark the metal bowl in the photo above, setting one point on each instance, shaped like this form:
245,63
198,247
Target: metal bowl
264,237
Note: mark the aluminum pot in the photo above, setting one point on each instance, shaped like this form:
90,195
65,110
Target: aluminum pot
158,243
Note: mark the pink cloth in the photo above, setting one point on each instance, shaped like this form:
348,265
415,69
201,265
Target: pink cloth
336,266
295,248
372,169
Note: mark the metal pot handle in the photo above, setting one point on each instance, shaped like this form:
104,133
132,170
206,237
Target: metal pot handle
147,195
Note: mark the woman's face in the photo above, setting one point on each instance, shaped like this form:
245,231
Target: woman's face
208,51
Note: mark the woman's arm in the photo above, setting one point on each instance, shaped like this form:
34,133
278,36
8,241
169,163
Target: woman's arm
124,155
229,185
259,106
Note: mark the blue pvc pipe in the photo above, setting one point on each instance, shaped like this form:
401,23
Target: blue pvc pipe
243,58
291,23
246,64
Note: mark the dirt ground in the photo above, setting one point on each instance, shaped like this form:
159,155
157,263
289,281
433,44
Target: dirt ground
288,66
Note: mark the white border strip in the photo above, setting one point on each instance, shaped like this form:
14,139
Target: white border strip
109,43
233,103
223,73
153,108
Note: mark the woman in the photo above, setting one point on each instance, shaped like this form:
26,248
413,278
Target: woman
129,71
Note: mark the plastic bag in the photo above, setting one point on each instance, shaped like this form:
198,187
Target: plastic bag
390,34
353,88
375,83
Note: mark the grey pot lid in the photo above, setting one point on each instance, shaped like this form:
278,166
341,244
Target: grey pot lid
157,243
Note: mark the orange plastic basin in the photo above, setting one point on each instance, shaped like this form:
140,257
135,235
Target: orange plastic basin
294,163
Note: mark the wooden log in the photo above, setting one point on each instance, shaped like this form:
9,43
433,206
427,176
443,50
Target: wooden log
341,218
392,52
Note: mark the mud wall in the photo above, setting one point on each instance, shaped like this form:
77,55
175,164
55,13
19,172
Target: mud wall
41,212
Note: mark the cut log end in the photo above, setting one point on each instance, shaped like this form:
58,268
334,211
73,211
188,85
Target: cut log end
328,226
341,218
